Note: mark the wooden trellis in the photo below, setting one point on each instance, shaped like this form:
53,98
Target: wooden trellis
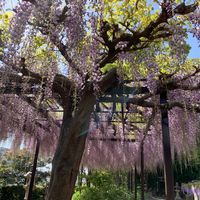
114,105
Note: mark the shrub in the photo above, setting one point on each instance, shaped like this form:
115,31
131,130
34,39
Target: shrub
16,192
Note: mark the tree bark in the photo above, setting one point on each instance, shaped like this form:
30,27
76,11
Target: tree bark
71,144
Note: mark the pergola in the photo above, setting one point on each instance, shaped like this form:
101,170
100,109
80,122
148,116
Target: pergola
114,107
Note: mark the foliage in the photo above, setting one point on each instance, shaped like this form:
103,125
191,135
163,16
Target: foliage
186,169
103,186
16,192
4,26
13,167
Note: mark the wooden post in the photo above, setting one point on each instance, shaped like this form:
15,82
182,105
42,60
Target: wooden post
135,182
169,178
27,184
34,170
142,170
130,181
88,178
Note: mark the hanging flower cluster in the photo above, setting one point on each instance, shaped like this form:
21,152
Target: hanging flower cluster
113,143
49,37
28,127
194,18
19,21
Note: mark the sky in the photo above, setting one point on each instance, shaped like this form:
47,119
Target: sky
195,47
194,53
6,143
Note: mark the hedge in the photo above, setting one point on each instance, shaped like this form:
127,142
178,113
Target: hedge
16,192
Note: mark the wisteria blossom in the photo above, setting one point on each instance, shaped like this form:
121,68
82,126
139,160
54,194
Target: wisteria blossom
58,59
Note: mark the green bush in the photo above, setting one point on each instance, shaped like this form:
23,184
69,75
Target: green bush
102,187
16,192
114,193
11,192
103,193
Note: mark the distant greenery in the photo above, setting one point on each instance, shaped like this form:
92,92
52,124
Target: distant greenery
13,167
105,185
186,169
92,185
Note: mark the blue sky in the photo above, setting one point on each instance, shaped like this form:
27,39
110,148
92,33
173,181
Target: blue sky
6,143
195,50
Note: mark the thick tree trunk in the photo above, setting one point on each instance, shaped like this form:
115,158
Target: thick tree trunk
71,144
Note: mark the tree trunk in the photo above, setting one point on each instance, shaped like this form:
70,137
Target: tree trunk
70,148
71,144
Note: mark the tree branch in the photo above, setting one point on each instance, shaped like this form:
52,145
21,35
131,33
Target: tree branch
186,106
148,125
61,86
169,105
133,39
40,109
63,50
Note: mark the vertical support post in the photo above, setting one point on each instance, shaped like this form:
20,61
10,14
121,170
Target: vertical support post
88,178
169,177
142,170
130,181
135,181
34,169
123,120
27,184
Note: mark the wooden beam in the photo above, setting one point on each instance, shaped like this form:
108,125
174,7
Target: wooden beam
112,139
113,100
120,90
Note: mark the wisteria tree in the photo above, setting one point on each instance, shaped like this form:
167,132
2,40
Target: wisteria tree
63,55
